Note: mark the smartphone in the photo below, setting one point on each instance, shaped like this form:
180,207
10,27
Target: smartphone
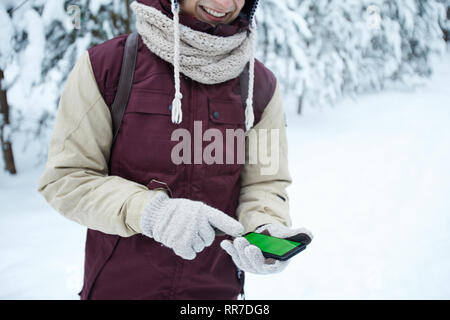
276,248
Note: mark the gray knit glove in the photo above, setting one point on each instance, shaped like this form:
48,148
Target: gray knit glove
248,257
184,225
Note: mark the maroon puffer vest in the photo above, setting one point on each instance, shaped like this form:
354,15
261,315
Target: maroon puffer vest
138,267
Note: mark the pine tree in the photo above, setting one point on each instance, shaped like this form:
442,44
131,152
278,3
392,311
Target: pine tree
42,41
445,20
100,20
66,39
322,50
14,43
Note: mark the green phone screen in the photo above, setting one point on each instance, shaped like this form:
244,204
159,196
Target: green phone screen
270,244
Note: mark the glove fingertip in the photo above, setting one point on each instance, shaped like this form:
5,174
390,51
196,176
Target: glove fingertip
233,228
190,257
223,222
239,231
225,244
253,250
241,242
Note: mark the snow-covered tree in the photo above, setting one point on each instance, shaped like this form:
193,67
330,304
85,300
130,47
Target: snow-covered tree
67,38
283,39
42,40
445,21
322,50
20,57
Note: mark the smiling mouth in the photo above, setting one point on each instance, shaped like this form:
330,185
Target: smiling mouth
213,15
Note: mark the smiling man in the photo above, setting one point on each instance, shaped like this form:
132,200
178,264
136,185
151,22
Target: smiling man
156,229
213,12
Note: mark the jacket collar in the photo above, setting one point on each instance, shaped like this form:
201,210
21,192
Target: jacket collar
240,24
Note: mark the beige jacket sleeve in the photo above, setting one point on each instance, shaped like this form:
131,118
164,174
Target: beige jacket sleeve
75,181
263,198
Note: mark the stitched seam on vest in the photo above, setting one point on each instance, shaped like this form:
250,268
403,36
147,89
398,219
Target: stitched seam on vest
173,284
177,278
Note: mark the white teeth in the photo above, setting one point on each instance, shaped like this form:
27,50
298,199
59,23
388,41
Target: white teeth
214,13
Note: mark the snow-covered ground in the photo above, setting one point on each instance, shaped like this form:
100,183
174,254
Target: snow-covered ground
371,180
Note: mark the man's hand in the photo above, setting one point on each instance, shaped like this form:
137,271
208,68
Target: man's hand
184,225
249,258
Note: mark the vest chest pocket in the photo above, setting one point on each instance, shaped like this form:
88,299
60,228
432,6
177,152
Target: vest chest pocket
144,137
151,112
226,134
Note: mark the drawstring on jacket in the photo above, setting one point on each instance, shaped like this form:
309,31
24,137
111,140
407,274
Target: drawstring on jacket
177,114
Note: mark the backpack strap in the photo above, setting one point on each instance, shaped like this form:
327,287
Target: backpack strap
125,82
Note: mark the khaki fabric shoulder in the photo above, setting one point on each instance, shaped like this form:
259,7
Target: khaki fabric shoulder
75,181
263,198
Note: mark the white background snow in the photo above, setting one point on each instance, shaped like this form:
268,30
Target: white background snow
371,180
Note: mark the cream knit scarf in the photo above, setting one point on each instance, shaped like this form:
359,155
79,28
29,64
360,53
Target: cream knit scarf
205,58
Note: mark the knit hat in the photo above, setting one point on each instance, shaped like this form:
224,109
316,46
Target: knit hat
248,12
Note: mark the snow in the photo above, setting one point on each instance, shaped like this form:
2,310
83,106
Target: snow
371,181
5,36
54,9
31,57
